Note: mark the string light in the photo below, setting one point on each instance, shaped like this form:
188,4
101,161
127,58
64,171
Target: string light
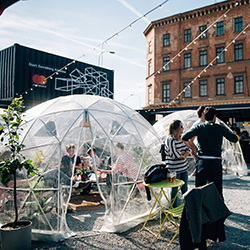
106,41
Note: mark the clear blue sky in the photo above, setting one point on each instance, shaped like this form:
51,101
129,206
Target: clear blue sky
73,28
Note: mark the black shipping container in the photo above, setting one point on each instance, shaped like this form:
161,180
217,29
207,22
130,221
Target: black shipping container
23,71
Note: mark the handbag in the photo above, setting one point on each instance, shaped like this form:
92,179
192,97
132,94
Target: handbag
153,174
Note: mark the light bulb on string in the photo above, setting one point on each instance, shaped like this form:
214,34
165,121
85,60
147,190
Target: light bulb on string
65,68
31,89
160,7
26,92
51,77
57,73
244,32
233,41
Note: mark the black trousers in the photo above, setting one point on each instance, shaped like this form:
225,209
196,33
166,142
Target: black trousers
209,170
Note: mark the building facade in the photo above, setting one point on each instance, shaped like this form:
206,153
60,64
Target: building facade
189,60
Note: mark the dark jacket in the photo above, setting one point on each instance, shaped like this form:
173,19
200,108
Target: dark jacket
203,216
209,137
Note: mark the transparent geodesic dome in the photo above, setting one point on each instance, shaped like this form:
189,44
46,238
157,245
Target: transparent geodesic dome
233,162
86,121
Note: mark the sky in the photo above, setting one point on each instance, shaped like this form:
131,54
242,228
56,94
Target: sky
77,28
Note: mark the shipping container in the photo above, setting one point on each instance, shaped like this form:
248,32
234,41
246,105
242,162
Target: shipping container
26,71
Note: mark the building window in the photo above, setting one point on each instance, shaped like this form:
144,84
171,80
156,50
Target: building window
187,35
220,86
187,90
220,28
203,57
238,52
149,68
220,55
150,47
149,94
166,93
165,65
203,88
166,40
204,35
238,84
238,24
187,60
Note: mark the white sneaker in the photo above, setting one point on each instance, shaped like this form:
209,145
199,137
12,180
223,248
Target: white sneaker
76,185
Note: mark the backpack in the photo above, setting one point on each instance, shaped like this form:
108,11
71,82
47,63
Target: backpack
164,151
155,173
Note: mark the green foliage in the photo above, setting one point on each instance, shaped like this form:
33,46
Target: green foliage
10,135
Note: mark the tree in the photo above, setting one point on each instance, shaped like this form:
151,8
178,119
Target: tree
10,132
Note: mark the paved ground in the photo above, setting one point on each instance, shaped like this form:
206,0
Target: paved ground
85,223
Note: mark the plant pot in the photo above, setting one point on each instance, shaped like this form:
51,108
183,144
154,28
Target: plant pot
16,238
84,177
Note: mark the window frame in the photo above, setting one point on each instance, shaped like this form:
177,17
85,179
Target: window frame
220,28
219,83
149,94
150,47
201,29
221,58
238,52
241,87
166,40
203,58
165,92
202,83
166,59
187,90
149,68
238,26
187,35
187,60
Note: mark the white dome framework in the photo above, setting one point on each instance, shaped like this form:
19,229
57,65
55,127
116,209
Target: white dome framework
86,121
233,162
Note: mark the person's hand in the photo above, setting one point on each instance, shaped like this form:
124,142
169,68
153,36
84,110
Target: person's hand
193,153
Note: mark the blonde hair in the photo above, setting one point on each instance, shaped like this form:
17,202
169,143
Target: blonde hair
69,146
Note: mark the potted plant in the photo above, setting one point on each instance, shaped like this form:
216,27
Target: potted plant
12,120
83,173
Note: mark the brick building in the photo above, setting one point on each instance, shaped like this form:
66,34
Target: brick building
225,84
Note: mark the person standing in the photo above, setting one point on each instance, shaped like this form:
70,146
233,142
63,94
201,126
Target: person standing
209,137
200,113
177,153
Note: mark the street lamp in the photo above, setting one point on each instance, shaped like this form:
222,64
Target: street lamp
105,51
138,97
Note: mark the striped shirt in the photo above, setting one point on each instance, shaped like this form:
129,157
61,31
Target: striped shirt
174,148
126,165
